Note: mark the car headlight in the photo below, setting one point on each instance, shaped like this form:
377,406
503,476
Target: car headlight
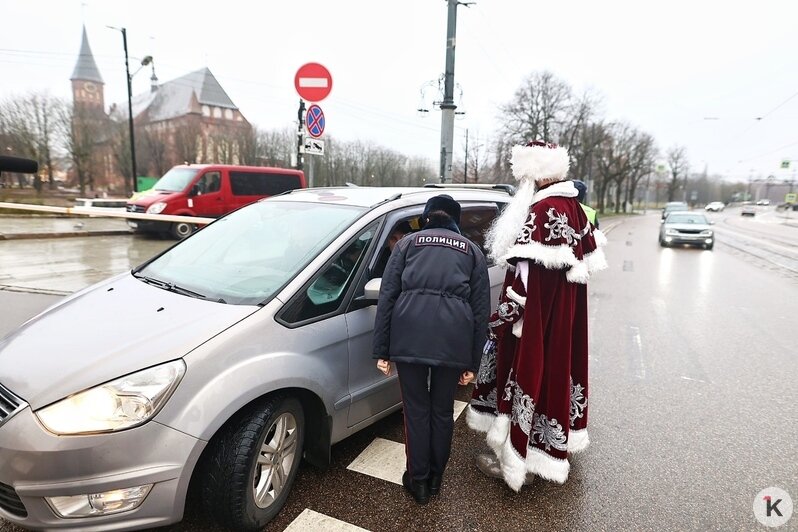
156,208
117,405
706,233
671,232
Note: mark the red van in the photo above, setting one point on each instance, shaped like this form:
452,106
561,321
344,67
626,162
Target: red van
208,190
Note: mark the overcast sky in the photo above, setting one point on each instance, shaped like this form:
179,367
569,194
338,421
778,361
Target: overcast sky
664,66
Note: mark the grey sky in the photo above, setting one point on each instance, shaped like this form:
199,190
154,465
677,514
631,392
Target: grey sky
663,66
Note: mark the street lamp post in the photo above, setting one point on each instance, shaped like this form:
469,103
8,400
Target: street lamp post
144,62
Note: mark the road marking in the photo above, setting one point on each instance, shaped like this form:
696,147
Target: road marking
383,459
310,520
459,406
636,353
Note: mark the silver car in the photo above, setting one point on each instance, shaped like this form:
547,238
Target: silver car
216,365
691,228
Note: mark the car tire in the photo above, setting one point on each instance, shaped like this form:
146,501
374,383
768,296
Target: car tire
709,247
238,483
662,243
181,230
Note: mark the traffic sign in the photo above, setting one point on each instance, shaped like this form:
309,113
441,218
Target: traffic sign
314,120
313,82
314,146
785,163
790,197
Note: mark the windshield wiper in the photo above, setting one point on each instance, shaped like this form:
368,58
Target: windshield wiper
172,287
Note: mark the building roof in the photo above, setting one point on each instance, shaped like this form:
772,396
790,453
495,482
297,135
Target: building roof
86,68
174,98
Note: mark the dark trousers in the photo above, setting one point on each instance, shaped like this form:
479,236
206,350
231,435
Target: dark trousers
429,416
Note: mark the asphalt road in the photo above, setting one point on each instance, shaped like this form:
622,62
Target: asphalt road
693,374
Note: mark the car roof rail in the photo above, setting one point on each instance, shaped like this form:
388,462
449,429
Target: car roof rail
509,189
388,199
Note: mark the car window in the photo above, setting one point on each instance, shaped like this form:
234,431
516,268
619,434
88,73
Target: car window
326,292
262,184
245,257
679,218
475,222
210,182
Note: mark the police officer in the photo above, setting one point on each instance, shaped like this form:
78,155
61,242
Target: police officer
581,189
431,323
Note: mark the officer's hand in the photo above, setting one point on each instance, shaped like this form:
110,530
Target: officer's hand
384,366
466,378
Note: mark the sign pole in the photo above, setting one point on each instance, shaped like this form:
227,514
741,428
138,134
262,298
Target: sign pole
300,141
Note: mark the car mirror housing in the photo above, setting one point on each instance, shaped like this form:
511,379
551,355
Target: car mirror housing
372,289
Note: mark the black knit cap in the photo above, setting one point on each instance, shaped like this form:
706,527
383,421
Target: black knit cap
445,203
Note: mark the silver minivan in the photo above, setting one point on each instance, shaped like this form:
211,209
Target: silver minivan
216,365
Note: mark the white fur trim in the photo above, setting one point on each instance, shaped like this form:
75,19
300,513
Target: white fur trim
518,327
566,189
479,421
514,467
499,433
601,238
512,294
595,260
539,163
552,257
578,440
578,273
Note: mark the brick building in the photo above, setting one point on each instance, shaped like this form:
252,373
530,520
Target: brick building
188,119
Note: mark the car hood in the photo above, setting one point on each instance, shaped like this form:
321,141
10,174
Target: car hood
688,227
107,331
153,196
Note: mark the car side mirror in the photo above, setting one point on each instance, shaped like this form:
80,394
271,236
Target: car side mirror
371,292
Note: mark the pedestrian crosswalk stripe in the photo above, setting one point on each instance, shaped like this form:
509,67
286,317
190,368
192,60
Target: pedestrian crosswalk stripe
310,520
383,459
459,406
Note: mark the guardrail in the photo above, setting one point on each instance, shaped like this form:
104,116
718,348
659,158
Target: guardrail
106,213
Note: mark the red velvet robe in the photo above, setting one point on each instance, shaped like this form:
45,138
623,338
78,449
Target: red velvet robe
531,392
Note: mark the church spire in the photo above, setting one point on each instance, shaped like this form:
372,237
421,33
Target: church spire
86,68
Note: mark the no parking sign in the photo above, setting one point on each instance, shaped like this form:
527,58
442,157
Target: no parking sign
315,121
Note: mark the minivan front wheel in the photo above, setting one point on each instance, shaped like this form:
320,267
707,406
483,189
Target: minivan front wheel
253,462
181,230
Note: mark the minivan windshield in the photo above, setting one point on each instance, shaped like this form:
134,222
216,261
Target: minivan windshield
176,179
246,256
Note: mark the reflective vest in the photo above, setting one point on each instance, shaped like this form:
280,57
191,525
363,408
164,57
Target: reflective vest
591,213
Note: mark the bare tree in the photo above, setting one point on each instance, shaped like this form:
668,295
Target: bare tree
28,124
155,146
540,110
678,164
188,141
78,133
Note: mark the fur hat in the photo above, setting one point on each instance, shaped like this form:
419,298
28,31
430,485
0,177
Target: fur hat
541,162
445,203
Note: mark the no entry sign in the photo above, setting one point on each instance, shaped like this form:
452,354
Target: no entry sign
315,121
313,82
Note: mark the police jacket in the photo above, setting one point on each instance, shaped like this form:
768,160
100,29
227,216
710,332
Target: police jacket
434,302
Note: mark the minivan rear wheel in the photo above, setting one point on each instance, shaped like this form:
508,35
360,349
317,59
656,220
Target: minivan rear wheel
253,462
181,230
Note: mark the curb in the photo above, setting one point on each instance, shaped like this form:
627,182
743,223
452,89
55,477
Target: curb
70,234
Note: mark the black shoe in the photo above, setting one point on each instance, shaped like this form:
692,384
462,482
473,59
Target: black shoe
417,488
434,482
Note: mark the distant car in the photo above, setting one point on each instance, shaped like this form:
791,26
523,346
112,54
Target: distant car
672,206
715,206
748,210
690,228
763,202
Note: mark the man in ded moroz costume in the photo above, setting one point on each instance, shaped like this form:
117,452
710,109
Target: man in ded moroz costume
531,394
